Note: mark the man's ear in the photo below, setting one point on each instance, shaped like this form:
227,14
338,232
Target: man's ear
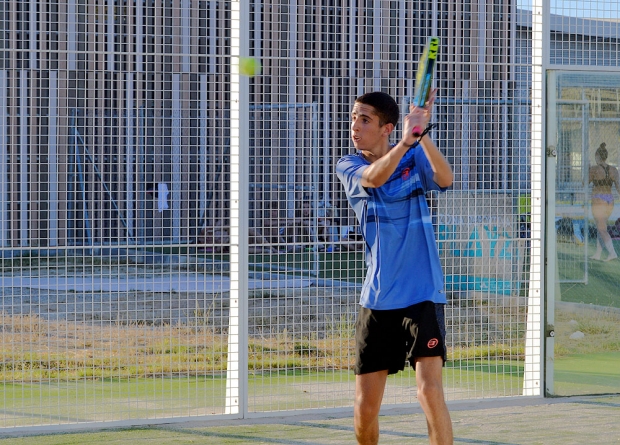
388,128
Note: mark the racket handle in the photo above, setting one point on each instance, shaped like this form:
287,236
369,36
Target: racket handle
417,131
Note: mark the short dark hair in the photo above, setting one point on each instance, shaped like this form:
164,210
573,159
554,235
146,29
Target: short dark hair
385,106
602,151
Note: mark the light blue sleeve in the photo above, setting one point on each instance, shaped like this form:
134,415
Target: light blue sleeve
349,170
426,171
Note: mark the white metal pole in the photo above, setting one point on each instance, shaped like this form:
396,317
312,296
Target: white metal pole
24,192
71,34
130,139
236,371
482,31
353,39
503,140
360,87
552,265
185,35
292,110
377,28
53,159
465,126
176,158
532,375
327,121
4,186
34,61
139,36
314,162
258,29
203,147
212,36
110,34
434,15
402,40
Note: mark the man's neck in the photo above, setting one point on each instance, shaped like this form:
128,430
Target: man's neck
373,155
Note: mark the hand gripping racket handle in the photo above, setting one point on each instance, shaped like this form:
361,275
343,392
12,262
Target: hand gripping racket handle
424,78
422,133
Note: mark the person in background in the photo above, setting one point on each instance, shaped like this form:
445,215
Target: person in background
603,177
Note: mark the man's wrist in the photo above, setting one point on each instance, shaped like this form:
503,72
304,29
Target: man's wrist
428,128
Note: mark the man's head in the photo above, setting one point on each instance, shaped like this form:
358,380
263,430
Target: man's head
384,105
373,118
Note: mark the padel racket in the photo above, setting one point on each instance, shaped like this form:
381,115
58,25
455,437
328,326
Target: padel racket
424,76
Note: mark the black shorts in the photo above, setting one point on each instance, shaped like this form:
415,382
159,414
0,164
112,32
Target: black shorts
386,339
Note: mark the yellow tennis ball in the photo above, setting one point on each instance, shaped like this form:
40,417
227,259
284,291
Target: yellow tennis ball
249,66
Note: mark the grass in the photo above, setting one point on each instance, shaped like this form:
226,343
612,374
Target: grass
68,371
590,365
108,372
35,349
60,371
601,329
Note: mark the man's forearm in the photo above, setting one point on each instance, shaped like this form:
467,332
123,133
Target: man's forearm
380,171
441,167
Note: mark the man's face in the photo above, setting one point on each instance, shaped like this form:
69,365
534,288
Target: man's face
366,131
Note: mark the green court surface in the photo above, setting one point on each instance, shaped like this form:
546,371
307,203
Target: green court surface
514,421
501,421
38,403
111,399
587,374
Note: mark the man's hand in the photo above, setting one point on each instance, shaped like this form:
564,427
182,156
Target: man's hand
418,117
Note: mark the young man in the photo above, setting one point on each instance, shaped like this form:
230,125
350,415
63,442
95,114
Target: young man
402,300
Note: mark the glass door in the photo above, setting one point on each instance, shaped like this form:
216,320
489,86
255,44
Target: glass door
583,234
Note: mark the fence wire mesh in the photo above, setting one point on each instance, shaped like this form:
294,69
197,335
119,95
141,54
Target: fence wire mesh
115,223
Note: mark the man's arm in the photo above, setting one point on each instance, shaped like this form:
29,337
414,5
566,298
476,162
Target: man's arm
377,173
443,176
380,171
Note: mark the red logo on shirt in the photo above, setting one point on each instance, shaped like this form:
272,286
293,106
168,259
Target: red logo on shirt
432,343
405,174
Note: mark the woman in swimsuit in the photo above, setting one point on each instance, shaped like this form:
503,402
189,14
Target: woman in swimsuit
603,176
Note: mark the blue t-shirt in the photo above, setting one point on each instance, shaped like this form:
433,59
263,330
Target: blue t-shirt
401,251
